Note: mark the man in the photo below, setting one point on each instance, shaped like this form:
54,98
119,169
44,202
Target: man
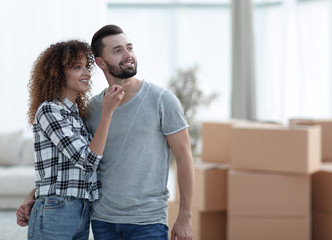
134,170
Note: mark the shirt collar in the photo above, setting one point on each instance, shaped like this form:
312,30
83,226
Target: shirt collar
72,107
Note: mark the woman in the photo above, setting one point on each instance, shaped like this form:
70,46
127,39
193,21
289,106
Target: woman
66,155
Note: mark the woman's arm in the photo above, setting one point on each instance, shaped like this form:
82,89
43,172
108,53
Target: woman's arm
111,100
70,142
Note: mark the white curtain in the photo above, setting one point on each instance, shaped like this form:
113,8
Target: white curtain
27,28
243,101
293,49
168,38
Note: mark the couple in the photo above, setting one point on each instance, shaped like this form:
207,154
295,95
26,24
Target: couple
117,178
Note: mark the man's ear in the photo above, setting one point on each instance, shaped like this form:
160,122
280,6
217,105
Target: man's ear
100,62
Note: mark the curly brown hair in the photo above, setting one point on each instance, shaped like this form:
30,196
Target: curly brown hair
48,80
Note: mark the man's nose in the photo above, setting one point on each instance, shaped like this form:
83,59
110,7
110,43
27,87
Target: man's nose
127,54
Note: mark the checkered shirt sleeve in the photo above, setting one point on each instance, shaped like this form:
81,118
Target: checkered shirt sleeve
64,163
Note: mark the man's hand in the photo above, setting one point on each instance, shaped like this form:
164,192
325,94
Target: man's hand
21,218
23,211
180,145
182,229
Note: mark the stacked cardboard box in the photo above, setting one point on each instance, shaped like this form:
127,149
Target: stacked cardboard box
206,225
268,206
293,149
326,126
216,140
268,170
322,203
269,181
209,203
321,182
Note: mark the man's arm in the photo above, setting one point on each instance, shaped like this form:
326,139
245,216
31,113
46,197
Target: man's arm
23,211
180,146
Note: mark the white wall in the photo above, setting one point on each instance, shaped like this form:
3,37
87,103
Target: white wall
165,39
27,28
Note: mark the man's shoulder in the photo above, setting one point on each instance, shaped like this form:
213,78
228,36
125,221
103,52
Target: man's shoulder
95,104
153,86
156,89
96,99
161,94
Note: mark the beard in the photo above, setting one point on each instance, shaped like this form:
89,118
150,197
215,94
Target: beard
119,72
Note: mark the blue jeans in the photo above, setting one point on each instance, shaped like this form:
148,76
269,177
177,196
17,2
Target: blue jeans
57,217
112,231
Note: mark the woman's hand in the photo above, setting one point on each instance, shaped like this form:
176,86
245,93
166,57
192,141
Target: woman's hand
113,98
111,101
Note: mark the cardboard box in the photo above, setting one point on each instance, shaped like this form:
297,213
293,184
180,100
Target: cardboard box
216,140
269,228
326,126
321,226
322,189
262,194
276,148
210,186
206,225
209,225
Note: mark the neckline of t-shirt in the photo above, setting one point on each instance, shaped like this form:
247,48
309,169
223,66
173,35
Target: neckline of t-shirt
144,83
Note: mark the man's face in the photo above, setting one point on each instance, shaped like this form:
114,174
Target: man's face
119,56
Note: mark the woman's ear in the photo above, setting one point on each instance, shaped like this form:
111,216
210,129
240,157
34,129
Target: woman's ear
100,62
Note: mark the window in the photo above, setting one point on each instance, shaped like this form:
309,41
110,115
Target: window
293,59
181,34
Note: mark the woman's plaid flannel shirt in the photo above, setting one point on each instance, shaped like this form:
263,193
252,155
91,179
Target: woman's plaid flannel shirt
64,163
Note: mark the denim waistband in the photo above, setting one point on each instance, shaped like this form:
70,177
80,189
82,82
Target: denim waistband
60,198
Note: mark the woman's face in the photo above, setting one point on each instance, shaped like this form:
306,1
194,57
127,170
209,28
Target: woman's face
77,80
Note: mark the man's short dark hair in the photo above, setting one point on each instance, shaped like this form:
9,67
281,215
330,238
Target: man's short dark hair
97,39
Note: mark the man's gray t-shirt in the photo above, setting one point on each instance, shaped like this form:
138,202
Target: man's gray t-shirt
135,163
